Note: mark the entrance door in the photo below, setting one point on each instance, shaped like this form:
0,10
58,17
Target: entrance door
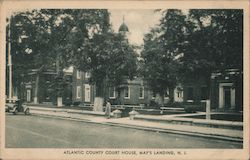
87,92
227,97
28,95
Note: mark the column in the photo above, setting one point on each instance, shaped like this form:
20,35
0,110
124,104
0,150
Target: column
232,98
221,96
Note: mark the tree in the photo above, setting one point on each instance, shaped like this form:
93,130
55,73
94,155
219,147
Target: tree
188,47
161,52
110,59
47,33
214,42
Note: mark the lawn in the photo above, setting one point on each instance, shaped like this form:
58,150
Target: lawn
158,112
225,117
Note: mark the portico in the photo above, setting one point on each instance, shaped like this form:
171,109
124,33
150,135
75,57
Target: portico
226,96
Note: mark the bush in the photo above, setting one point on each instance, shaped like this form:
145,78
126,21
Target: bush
153,105
125,112
191,109
174,104
67,101
149,111
76,103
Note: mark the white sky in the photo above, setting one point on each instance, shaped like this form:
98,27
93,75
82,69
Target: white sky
139,22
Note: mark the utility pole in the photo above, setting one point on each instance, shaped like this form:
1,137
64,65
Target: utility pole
10,64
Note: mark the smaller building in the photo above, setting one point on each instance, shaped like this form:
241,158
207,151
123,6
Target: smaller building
44,93
48,89
227,90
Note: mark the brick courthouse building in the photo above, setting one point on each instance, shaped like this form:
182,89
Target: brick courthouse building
226,91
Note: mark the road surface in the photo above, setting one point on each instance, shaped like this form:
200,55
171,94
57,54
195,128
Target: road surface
43,132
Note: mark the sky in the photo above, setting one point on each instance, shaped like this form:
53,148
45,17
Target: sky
139,22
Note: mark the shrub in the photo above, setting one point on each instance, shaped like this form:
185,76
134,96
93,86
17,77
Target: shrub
174,104
76,103
68,103
191,109
153,105
202,108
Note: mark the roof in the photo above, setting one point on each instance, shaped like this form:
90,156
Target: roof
123,28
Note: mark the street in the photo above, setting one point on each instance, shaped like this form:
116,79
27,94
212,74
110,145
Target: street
43,132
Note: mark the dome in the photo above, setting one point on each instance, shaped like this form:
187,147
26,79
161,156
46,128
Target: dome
123,28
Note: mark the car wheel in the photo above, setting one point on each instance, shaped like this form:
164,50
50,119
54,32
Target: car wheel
15,112
27,111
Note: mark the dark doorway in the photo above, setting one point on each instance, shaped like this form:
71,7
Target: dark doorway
227,97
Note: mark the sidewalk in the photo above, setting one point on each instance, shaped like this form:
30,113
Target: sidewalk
143,123
179,119
172,119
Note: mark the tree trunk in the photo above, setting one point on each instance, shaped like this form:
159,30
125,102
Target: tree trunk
99,99
19,88
171,94
98,104
36,89
59,101
58,70
159,99
119,99
37,84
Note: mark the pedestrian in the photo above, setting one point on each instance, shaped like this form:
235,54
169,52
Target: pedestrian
108,109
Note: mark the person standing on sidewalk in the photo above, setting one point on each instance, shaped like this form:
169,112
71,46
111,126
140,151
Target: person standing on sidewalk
108,109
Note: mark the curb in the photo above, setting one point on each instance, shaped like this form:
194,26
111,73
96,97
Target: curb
192,122
152,129
214,136
68,111
195,122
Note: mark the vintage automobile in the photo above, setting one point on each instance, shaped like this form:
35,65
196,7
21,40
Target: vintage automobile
16,107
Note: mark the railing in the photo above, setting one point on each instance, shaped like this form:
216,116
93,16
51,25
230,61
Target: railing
88,105
127,106
118,106
172,108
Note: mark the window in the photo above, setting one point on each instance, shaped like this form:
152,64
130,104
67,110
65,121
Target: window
141,96
190,93
204,93
179,94
87,92
112,92
166,94
127,92
78,74
87,75
78,92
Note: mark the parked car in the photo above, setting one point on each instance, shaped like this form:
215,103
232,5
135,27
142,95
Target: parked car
16,107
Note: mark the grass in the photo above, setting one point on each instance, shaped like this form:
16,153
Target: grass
225,117
158,112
